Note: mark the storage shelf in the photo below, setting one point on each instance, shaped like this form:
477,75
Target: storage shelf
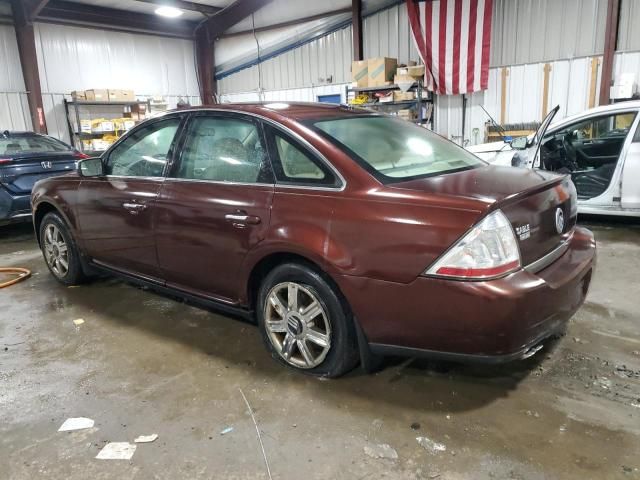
104,104
375,89
391,104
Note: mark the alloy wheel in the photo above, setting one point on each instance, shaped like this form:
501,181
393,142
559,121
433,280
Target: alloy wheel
56,251
297,325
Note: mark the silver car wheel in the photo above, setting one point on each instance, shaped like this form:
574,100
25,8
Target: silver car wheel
56,252
297,325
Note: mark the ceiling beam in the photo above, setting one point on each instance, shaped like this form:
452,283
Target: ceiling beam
70,13
230,15
290,23
185,5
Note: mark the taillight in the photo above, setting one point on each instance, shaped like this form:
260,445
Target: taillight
81,156
5,160
488,250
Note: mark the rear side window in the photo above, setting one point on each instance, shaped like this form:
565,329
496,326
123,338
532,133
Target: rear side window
223,149
294,164
31,144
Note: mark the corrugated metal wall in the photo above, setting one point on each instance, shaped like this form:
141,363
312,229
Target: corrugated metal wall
14,108
529,31
73,58
311,64
387,34
628,31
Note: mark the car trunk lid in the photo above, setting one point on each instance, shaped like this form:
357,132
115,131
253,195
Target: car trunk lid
19,173
540,206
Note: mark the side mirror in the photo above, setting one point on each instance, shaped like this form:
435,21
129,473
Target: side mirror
91,167
519,143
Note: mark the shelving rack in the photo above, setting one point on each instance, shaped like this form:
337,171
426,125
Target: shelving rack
417,103
76,135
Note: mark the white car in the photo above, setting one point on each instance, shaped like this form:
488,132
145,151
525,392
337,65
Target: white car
600,148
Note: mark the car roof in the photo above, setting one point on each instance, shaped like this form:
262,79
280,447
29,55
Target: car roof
294,110
8,134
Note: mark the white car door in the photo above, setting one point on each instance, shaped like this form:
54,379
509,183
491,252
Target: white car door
630,182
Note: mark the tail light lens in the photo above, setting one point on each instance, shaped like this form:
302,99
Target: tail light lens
488,250
5,160
80,155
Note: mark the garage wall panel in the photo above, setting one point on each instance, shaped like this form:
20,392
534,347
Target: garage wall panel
72,58
628,31
14,107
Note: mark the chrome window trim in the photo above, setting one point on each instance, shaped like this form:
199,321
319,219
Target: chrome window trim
550,257
294,135
219,182
132,177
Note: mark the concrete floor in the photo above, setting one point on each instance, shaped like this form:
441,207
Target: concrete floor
143,363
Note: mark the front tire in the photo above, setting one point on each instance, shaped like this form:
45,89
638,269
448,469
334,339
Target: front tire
303,322
60,251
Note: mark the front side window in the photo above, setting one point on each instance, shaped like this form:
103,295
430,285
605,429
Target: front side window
394,150
223,150
145,152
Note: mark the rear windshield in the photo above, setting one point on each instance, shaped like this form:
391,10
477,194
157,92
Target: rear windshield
395,150
30,144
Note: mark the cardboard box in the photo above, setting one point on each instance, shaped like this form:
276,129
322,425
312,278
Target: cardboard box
116,95
97,95
386,98
85,126
399,79
78,96
359,73
381,71
407,114
138,112
102,126
399,96
416,71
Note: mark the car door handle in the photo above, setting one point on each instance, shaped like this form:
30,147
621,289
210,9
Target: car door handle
134,208
241,219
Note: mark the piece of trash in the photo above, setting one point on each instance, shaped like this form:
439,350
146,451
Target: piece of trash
226,430
415,426
430,445
146,438
563,428
381,451
448,417
117,451
78,423
78,321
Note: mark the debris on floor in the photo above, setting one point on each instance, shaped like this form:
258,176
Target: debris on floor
226,430
146,438
78,321
430,445
382,450
117,451
78,423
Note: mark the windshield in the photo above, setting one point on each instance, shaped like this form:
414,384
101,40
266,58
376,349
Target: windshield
394,150
30,144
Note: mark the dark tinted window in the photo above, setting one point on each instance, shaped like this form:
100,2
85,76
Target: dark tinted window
31,144
145,152
223,150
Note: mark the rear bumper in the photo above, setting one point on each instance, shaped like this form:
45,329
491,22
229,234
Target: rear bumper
14,207
493,321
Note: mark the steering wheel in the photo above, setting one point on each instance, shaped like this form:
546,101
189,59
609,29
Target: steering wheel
570,151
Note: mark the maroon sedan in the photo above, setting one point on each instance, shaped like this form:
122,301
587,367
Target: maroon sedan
346,233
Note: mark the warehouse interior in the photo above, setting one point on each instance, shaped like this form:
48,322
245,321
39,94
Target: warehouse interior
180,388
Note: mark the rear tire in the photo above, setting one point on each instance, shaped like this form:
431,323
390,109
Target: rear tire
304,324
60,251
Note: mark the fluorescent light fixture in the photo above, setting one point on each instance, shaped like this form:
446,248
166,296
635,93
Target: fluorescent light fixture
169,12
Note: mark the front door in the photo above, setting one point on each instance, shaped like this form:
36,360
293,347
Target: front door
214,206
631,174
116,210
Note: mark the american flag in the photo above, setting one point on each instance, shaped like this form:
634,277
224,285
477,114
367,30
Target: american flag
453,38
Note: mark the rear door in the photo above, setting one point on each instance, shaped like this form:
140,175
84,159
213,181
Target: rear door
215,205
116,211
